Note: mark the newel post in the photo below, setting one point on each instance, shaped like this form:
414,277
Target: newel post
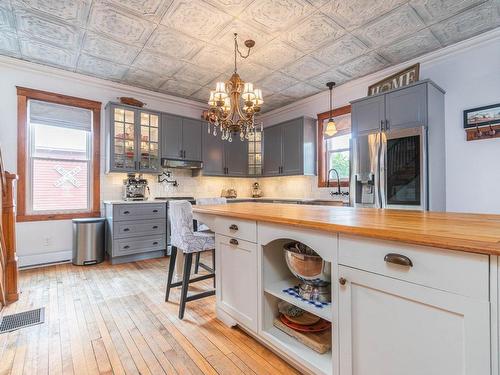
9,229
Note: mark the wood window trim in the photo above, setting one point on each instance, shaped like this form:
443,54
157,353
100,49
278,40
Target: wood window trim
23,95
321,152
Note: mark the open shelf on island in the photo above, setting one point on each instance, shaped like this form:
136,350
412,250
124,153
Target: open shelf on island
315,361
276,289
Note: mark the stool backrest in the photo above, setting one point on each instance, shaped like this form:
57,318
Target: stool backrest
181,221
207,201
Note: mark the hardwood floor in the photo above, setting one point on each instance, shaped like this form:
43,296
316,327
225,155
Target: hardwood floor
113,320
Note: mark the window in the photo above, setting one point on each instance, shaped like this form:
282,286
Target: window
334,152
58,156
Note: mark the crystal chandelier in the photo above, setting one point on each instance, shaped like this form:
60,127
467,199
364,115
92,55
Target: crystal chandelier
233,104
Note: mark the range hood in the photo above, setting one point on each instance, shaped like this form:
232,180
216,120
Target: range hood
181,164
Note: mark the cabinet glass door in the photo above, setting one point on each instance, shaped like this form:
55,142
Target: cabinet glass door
148,158
255,153
124,139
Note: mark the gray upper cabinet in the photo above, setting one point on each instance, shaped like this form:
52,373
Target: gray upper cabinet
236,156
171,137
224,158
405,107
191,139
368,115
290,148
181,138
132,139
213,155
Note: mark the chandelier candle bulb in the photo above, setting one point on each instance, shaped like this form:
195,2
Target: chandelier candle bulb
248,93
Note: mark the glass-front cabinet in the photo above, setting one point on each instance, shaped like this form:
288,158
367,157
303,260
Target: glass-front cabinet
255,153
132,139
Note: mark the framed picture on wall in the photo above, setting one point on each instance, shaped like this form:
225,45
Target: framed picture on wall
482,116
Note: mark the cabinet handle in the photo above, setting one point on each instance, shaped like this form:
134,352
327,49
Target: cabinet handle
233,241
126,246
233,227
381,125
180,153
155,226
399,259
155,243
387,127
126,229
342,281
155,210
184,154
126,212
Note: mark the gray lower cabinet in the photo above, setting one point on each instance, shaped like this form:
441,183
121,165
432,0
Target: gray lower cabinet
224,158
290,148
135,231
405,107
181,138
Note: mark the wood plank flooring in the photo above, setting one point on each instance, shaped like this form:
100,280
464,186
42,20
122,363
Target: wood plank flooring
108,319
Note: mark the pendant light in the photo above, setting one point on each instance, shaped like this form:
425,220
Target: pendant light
330,128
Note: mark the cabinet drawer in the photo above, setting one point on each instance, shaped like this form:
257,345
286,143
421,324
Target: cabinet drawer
135,245
139,211
454,271
123,229
236,228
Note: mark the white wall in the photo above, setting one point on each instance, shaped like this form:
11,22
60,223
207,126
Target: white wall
469,72
40,242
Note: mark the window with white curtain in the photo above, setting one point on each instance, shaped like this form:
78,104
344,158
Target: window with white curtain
59,160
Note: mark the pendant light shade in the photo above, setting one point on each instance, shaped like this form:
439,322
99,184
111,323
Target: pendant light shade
331,128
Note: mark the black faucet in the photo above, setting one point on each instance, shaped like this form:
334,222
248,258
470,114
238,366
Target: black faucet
338,192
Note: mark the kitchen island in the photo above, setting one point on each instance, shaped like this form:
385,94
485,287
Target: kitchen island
412,292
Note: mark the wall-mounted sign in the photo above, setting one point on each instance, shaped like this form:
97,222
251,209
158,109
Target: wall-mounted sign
400,79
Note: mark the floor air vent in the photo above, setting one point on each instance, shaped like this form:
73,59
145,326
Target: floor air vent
24,319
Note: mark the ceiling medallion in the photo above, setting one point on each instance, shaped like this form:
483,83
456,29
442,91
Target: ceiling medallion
233,104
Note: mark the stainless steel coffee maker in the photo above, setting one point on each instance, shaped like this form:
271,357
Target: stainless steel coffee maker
135,188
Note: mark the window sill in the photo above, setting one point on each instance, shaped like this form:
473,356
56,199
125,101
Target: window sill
49,217
333,184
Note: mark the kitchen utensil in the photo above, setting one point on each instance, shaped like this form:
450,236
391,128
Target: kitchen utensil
306,319
320,342
289,310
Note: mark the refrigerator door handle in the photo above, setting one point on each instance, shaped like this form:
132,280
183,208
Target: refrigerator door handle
381,170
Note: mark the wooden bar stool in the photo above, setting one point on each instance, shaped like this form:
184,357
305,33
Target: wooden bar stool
185,239
204,228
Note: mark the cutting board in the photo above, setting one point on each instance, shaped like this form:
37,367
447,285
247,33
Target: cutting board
320,342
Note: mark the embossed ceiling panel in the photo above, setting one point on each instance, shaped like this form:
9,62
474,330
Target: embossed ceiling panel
182,47
196,18
407,49
170,42
71,11
105,48
118,24
345,49
313,32
399,23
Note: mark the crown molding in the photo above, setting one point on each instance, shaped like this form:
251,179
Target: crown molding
426,59
49,71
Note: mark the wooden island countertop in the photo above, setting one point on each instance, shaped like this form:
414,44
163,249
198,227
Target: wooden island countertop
478,233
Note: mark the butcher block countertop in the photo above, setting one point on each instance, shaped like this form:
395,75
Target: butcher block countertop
457,231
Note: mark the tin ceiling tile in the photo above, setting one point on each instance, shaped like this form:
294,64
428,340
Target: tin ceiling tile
74,12
313,32
7,22
277,81
363,65
346,48
169,42
250,71
47,54
119,24
47,29
233,7
276,54
144,79
432,11
418,44
300,90
105,48
469,23
9,44
182,88
331,75
276,15
196,18
305,67
354,13
162,65
195,74
150,9
100,68
225,38
213,58
397,24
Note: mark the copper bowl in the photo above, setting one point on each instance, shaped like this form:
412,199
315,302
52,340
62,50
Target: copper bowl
306,265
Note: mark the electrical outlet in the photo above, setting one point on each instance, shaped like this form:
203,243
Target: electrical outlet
46,241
